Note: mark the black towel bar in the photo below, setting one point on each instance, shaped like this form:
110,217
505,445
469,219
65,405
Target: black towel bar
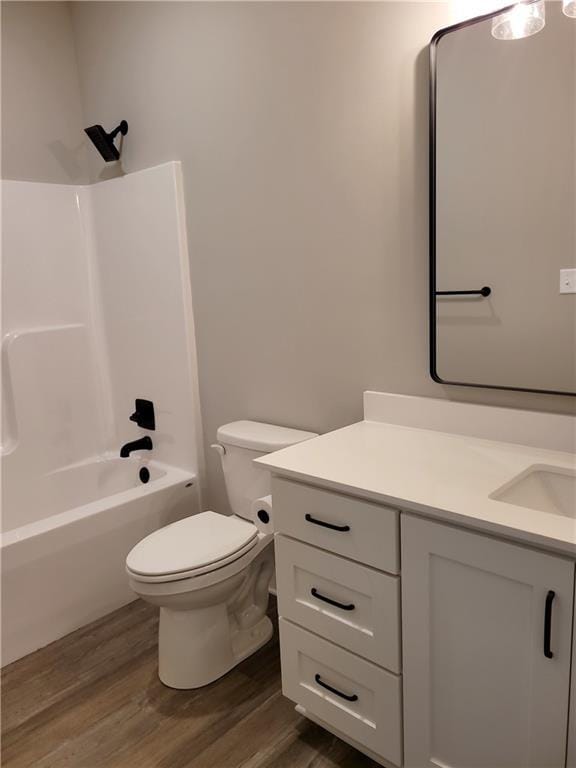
486,291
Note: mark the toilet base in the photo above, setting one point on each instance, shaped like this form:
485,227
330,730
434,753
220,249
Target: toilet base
197,647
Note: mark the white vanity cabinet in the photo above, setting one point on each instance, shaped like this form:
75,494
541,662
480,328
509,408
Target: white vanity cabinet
486,683
423,644
427,613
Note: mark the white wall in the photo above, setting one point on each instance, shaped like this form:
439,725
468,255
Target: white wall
42,137
302,131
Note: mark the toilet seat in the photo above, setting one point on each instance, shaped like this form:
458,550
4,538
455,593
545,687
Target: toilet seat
191,547
193,581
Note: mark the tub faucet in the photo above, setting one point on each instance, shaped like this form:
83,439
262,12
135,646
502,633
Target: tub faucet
143,444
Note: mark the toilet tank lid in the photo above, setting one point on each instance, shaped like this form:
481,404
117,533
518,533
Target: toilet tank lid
261,437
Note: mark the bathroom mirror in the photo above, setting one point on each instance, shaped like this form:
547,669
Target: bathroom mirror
503,202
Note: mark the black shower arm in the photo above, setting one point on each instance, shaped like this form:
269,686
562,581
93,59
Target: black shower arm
121,128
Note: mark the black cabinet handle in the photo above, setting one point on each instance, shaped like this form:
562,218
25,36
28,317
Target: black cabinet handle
485,291
548,623
345,696
344,606
332,526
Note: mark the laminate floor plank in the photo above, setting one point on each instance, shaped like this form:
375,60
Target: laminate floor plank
51,674
93,700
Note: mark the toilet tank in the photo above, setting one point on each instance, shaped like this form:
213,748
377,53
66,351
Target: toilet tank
239,443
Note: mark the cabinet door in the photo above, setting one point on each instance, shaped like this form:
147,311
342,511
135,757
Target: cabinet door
571,762
479,691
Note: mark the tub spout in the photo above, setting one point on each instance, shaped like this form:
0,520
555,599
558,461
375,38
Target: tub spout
143,444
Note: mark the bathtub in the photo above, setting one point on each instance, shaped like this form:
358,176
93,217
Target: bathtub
64,567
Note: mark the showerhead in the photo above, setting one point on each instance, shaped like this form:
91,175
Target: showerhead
104,142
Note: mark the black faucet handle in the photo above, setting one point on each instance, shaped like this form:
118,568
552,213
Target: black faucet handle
144,414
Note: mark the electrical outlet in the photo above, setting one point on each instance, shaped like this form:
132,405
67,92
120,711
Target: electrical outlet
568,281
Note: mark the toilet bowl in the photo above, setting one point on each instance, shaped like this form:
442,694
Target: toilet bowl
210,573
212,609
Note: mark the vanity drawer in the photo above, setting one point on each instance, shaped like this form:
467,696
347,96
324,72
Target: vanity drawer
356,529
348,693
366,616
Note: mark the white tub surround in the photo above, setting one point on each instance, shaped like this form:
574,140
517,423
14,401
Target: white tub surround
97,312
145,308
418,612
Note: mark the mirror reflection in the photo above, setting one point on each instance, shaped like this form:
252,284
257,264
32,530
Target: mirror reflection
504,201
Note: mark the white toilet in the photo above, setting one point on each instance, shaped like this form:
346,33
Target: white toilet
209,573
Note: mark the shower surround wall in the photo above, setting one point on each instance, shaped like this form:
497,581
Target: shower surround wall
96,312
145,306
52,414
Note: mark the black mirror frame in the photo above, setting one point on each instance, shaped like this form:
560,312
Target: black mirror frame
432,211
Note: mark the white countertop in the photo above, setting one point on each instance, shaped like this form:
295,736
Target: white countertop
436,474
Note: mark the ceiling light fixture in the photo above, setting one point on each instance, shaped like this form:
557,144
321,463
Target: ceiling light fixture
569,8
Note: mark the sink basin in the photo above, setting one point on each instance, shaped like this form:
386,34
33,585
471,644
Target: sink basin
542,487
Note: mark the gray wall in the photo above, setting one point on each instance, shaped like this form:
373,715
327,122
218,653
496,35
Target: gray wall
42,122
302,129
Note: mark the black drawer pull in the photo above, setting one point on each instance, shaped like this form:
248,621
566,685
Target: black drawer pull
548,623
345,696
332,526
345,607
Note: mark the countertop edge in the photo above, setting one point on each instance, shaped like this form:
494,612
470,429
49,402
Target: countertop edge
515,535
